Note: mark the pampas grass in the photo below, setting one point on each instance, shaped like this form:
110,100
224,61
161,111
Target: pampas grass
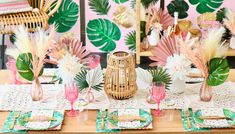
37,44
229,21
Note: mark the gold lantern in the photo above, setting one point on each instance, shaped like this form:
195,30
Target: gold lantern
120,76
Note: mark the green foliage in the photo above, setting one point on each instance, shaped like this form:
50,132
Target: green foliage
179,6
220,15
12,38
101,7
145,3
66,16
81,80
103,33
24,66
218,71
130,40
120,1
82,83
142,30
204,6
160,75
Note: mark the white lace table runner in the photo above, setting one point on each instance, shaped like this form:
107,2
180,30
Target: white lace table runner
17,97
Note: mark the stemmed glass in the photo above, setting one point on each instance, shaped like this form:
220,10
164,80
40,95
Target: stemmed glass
158,93
71,94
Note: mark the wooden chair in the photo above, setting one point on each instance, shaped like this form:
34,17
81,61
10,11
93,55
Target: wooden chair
30,19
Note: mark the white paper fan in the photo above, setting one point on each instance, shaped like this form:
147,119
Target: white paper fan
144,78
94,77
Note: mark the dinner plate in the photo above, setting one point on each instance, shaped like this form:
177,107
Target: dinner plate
143,124
217,123
57,115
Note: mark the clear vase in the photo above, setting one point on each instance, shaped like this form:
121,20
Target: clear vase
205,92
36,90
89,97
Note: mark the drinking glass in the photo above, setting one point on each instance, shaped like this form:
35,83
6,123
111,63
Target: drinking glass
71,94
158,93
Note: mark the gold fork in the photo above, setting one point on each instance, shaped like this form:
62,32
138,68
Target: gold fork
16,115
187,114
103,116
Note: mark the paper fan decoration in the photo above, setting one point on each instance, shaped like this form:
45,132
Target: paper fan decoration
167,47
144,78
92,78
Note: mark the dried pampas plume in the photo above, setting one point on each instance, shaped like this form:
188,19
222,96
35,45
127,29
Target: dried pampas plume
124,16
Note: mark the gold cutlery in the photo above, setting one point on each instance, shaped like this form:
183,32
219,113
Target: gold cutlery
16,115
103,116
187,115
127,118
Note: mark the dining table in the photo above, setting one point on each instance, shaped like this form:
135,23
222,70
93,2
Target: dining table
160,124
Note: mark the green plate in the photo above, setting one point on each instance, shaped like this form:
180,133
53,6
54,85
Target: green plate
59,118
227,113
143,124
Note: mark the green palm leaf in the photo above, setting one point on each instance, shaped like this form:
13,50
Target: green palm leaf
82,83
101,7
103,33
160,75
145,3
130,40
120,1
204,6
220,15
179,6
218,71
81,80
66,16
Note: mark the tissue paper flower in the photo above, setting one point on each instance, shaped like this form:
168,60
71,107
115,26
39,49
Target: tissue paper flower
178,66
68,66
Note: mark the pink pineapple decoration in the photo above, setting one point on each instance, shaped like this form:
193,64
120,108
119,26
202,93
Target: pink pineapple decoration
11,65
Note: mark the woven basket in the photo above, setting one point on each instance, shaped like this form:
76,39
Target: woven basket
31,20
120,76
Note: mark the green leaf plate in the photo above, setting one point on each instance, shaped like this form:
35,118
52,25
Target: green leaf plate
227,113
143,124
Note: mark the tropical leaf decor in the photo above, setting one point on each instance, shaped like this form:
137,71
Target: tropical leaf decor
204,6
103,33
25,67
218,71
160,75
101,7
220,15
145,3
66,16
130,40
81,80
179,6
120,1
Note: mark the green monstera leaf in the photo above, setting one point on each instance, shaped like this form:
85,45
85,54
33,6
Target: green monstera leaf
103,33
130,40
101,7
120,1
204,6
218,71
24,66
179,6
66,16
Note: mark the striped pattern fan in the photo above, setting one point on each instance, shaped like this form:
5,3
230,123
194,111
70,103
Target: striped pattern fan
14,6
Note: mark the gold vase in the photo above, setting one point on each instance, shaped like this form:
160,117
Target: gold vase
205,92
36,90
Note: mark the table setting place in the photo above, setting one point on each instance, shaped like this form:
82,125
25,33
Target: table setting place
187,81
